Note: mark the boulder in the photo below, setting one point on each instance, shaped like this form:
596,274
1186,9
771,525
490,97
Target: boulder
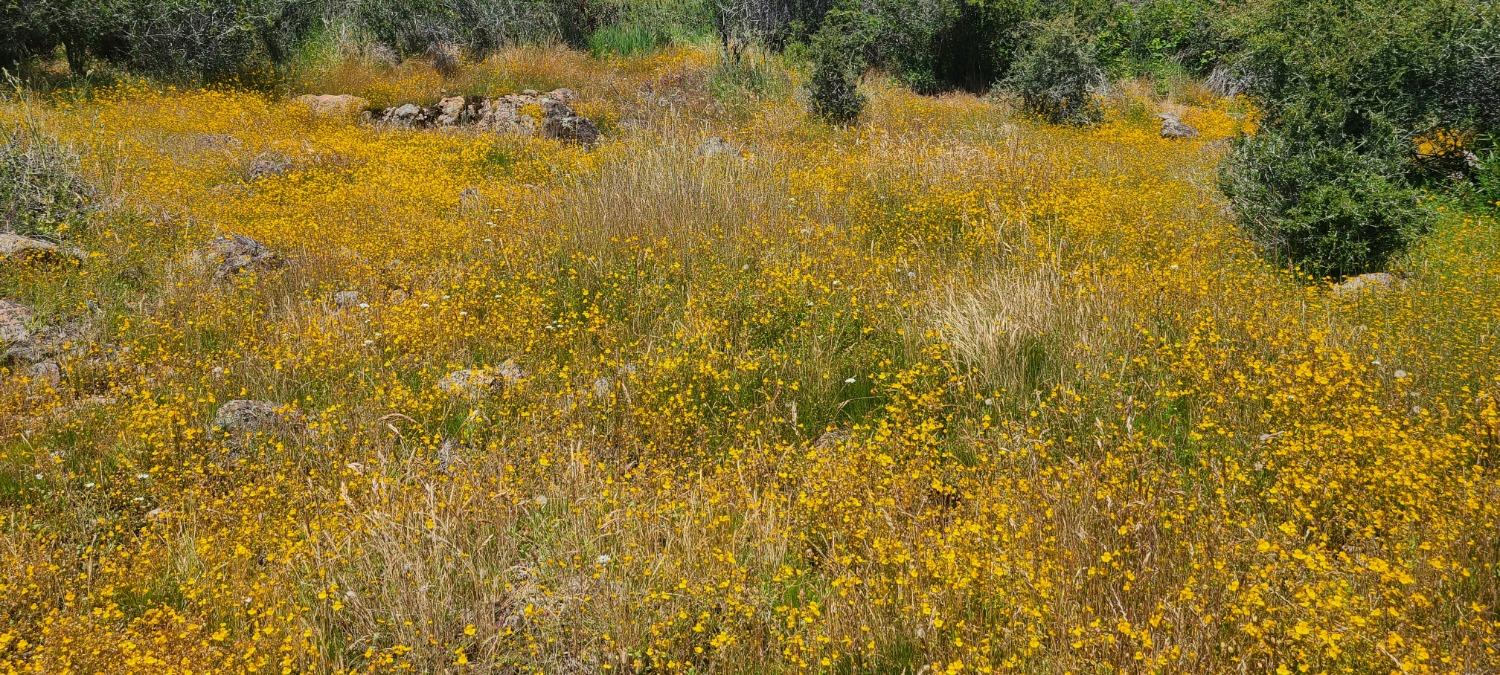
268,164
46,371
238,253
332,105
1173,127
24,343
15,325
16,247
1365,282
240,417
561,123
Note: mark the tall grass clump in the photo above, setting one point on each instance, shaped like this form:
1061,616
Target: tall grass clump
41,190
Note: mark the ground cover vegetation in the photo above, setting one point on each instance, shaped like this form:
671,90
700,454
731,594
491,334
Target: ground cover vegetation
890,337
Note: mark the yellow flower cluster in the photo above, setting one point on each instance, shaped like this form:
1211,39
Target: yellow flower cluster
951,391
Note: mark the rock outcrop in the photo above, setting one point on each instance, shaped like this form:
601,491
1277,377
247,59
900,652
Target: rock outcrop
16,247
240,417
529,114
1173,127
237,253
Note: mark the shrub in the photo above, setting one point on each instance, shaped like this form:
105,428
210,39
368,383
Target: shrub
838,52
1057,74
40,187
1331,209
1354,95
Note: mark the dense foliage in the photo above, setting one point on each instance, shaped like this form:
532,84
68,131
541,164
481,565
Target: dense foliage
838,52
1058,75
1361,102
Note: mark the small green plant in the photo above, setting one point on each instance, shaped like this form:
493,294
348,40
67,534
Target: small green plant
1057,74
1487,178
40,185
626,39
839,60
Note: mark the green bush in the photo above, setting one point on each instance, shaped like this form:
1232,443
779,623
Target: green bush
1328,208
1057,74
839,60
40,186
1346,89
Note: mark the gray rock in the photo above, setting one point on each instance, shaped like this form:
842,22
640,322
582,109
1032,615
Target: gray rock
268,164
561,123
346,299
243,416
15,324
46,371
509,372
1172,127
714,146
16,247
238,253
452,111
499,115
408,111
467,383
1364,283
22,342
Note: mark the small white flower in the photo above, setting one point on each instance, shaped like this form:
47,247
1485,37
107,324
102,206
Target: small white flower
143,476
1400,374
603,559
364,305
849,381
369,342
88,485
